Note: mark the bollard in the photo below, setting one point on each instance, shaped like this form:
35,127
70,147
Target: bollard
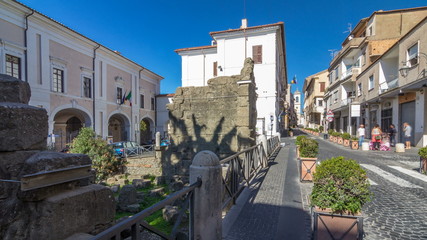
157,139
207,199
400,147
365,146
263,139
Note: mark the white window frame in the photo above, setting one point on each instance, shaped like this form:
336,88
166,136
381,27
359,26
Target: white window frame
8,48
412,59
335,96
61,65
359,89
83,76
371,82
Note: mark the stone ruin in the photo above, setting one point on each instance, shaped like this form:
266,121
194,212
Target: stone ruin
220,117
43,195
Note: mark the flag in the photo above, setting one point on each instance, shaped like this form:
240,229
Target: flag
123,98
294,80
129,97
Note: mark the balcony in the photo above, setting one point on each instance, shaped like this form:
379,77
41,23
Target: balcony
387,86
346,101
352,44
353,71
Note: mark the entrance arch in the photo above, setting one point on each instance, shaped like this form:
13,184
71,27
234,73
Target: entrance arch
146,136
118,127
67,125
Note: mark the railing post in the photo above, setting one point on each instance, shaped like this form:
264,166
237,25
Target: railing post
157,139
207,222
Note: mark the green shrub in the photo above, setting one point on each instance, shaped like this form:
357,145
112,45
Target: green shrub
299,139
341,185
103,160
346,136
354,139
309,148
330,131
316,130
423,152
338,134
321,128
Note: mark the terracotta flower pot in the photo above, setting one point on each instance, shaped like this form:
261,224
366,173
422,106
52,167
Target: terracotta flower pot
346,142
336,226
340,140
307,168
334,139
331,138
423,165
354,144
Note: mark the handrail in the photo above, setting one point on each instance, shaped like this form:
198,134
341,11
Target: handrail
136,220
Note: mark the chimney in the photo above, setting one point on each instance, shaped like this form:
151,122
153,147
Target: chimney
244,23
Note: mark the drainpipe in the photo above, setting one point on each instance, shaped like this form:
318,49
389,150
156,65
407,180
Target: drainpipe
25,44
139,120
93,86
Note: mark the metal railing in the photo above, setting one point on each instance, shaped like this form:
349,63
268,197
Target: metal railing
136,223
240,168
139,150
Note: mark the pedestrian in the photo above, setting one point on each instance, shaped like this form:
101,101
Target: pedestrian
407,130
361,133
392,134
376,136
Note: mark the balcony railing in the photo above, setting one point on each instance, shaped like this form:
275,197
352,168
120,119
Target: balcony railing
346,101
387,86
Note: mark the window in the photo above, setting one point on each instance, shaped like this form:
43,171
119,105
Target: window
257,54
87,87
297,99
413,55
370,31
320,103
152,104
359,89
119,97
336,72
363,58
13,66
58,80
371,82
335,96
215,69
141,97
322,87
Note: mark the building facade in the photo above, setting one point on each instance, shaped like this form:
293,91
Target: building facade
162,113
80,82
315,87
266,46
298,108
366,43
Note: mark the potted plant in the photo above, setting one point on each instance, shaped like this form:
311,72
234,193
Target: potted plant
340,190
316,132
346,139
354,143
423,159
331,135
321,128
309,149
335,137
339,138
298,141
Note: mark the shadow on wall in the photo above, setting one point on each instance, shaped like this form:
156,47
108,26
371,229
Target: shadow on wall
177,158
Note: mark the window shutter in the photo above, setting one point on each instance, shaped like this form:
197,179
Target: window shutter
215,69
322,87
257,54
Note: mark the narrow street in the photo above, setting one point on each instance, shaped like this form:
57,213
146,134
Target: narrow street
399,206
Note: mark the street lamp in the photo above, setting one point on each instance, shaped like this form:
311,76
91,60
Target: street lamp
405,69
271,129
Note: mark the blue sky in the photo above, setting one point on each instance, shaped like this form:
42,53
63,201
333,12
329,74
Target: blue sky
148,32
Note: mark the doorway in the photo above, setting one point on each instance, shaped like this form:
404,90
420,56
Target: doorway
407,114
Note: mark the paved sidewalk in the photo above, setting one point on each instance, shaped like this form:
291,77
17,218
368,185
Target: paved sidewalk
273,206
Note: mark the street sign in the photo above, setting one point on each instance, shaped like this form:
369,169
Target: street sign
330,116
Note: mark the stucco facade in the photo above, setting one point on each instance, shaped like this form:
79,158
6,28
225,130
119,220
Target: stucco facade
225,57
367,42
314,106
76,79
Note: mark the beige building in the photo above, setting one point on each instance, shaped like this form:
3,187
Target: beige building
392,89
366,43
314,105
76,79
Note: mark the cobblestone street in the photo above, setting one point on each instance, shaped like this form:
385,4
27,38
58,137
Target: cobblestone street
277,206
398,209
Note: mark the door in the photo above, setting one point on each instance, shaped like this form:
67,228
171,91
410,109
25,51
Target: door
407,114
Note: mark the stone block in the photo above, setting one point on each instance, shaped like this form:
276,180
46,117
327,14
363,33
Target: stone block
157,192
115,188
80,236
127,196
133,208
140,183
170,213
14,90
111,181
22,127
89,209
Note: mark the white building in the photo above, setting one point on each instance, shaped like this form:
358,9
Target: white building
265,44
162,113
80,82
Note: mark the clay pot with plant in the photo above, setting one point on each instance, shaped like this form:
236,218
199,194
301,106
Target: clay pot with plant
309,149
298,141
340,190
354,143
346,139
423,159
339,138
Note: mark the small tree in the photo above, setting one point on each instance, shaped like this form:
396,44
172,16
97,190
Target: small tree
103,160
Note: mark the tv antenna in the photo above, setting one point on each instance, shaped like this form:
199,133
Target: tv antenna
349,28
333,53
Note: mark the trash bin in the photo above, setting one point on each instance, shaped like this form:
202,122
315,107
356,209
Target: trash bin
325,136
